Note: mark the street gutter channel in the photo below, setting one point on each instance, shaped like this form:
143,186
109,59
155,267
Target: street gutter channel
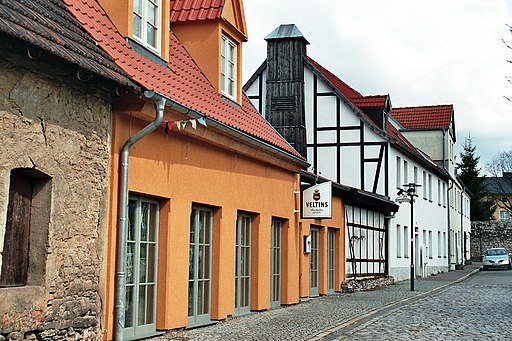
337,331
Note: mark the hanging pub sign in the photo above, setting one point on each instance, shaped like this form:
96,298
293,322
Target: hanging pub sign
316,201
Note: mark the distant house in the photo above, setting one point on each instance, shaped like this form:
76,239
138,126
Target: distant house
354,140
500,189
432,130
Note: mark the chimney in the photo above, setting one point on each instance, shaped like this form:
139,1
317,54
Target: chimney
285,104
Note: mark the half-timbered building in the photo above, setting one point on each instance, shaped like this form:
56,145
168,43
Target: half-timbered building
350,138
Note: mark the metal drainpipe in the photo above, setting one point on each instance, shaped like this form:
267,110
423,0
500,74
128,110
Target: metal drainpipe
450,187
120,293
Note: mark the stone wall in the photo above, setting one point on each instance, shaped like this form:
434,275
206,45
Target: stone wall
54,123
485,234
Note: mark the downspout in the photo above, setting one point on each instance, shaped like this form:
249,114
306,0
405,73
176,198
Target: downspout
449,222
120,293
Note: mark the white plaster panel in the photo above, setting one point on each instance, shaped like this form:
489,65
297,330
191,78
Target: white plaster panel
348,117
371,136
326,111
371,151
326,136
350,136
322,87
369,175
311,157
308,98
350,166
327,162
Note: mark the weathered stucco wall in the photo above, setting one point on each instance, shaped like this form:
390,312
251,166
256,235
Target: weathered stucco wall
486,234
60,126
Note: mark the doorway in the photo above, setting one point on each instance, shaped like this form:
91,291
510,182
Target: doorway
275,263
141,267
243,264
199,283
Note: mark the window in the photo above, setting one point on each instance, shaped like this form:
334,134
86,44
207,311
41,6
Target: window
398,241
424,185
439,192
25,237
415,174
406,245
504,215
439,244
430,187
228,69
430,244
444,244
146,23
141,267
444,194
406,172
398,172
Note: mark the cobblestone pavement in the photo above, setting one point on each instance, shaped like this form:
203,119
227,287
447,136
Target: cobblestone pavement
479,308
320,317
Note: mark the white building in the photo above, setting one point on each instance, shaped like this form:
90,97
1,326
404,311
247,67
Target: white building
351,139
432,129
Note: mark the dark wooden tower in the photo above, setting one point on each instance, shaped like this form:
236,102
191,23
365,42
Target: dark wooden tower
285,104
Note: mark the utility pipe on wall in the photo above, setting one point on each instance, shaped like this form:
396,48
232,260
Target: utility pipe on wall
120,293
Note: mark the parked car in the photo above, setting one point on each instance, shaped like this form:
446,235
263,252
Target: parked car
497,258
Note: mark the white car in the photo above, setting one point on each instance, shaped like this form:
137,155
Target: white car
497,258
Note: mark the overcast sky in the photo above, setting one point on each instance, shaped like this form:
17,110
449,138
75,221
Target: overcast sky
418,52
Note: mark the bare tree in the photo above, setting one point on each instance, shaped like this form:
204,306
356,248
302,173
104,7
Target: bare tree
509,78
499,183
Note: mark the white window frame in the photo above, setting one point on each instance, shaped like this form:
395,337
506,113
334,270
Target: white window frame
225,63
144,17
398,241
406,242
406,172
398,172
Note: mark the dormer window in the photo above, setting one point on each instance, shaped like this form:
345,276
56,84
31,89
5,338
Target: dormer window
228,68
146,23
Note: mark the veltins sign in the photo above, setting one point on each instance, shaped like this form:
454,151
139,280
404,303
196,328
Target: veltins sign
316,201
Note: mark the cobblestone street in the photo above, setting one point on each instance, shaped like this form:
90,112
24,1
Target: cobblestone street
377,314
479,308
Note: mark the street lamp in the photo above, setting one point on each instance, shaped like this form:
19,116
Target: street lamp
407,195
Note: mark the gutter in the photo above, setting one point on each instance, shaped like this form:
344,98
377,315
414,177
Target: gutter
239,134
120,292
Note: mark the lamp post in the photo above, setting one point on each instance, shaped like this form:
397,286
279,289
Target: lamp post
407,195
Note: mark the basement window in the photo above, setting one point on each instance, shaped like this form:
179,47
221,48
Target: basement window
25,234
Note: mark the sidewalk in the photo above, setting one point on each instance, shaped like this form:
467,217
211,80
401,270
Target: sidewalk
317,318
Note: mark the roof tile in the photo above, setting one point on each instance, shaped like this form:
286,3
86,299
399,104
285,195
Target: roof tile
190,10
48,25
424,117
183,81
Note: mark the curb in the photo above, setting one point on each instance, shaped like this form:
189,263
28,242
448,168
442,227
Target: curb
371,313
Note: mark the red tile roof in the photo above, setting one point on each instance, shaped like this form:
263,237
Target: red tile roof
182,82
48,25
377,101
190,10
425,117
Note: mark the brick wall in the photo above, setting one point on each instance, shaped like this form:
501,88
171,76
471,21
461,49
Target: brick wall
485,234
52,122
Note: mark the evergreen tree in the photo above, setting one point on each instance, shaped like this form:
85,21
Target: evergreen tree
469,172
